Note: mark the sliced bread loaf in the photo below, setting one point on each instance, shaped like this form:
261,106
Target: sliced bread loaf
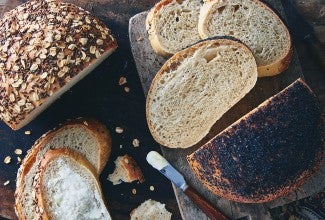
46,46
151,210
67,187
172,25
268,152
195,87
253,23
87,136
126,170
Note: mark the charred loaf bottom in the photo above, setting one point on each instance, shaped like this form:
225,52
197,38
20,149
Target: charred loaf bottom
268,153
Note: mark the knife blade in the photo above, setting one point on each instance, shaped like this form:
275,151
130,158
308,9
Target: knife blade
163,166
301,30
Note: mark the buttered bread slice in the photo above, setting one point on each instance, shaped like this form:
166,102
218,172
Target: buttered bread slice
67,187
253,23
172,25
195,87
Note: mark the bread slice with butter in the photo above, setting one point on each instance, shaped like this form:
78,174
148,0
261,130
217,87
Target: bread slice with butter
195,87
67,187
255,24
172,25
86,136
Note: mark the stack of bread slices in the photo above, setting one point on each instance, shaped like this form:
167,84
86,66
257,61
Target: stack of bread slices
58,179
268,152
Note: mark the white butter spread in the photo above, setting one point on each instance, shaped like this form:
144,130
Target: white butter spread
156,160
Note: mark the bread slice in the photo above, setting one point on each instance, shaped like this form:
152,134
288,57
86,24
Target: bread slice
126,170
46,47
267,153
172,25
67,187
255,24
87,136
195,87
151,210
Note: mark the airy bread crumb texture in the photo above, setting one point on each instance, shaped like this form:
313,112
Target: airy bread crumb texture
195,88
126,170
151,210
71,192
250,21
173,25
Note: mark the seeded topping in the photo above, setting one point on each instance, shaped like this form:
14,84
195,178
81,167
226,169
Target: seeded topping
43,45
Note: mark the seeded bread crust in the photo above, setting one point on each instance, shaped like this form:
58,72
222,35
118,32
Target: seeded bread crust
97,129
280,65
41,209
46,47
267,153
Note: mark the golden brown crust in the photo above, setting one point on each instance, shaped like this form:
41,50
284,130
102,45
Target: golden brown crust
95,127
46,55
51,155
173,63
269,70
240,177
133,170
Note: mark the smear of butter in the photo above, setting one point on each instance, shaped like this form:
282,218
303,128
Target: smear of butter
156,160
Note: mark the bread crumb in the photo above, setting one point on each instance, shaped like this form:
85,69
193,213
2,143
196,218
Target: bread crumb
126,89
121,146
28,132
6,183
136,142
122,81
134,191
18,160
140,38
152,188
119,130
18,151
7,160
85,123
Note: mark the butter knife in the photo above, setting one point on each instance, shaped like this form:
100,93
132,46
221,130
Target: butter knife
163,166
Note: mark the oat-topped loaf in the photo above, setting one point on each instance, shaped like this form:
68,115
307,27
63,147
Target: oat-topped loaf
267,153
46,46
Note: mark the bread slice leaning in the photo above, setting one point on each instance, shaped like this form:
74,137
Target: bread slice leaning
67,187
255,24
267,153
86,136
172,25
195,87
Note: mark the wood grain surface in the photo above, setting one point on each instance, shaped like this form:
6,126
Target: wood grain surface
100,96
148,63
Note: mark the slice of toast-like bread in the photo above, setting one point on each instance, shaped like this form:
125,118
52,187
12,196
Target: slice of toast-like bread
126,170
195,87
151,210
253,23
267,153
67,187
87,136
172,25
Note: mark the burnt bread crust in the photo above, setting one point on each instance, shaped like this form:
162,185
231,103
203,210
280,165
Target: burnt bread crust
268,153
46,46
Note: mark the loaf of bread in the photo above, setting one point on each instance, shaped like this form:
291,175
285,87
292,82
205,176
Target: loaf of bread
267,153
151,210
172,25
195,87
126,170
46,46
87,136
67,187
255,24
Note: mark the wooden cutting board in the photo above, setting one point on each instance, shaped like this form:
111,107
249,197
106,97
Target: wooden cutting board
148,63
